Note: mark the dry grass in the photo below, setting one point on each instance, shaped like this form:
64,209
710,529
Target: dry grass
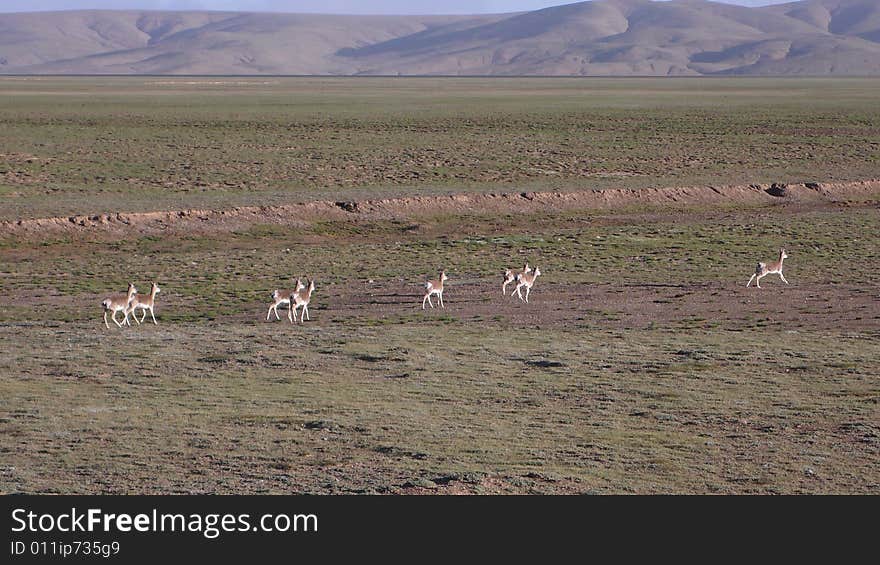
642,365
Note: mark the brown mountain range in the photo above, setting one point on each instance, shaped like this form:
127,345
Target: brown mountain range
602,37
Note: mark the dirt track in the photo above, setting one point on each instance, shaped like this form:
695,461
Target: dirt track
721,305
207,221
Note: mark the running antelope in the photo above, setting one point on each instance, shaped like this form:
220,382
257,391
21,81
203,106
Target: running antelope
528,281
513,275
764,269
282,297
118,303
435,287
144,302
301,299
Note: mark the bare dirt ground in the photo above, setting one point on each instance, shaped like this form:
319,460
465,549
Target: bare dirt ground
628,305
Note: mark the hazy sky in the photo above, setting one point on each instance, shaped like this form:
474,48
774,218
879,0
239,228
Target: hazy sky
323,6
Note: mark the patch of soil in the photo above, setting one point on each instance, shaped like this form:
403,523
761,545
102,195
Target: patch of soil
623,306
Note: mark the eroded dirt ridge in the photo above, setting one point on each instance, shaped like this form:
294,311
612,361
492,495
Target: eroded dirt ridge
462,204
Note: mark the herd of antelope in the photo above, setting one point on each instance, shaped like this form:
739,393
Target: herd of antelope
129,302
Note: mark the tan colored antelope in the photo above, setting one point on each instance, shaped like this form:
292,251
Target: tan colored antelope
512,275
764,269
435,287
528,281
118,303
144,302
301,298
282,297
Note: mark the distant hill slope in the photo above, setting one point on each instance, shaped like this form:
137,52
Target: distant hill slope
604,37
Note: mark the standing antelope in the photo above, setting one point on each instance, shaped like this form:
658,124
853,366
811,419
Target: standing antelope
526,280
118,303
144,302
435,287
764,269
282,297
301,299
511,275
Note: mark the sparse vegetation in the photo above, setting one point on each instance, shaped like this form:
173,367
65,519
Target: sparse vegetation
642,364
98,145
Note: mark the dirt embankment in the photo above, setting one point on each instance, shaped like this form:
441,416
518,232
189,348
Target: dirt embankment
461,204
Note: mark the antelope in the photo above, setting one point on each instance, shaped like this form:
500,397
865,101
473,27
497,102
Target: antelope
526,280
764,269
144,303
511,275
118,303
282,297
435,287
301,299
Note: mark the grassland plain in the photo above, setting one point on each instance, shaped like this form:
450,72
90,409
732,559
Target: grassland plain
89,145
641,365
